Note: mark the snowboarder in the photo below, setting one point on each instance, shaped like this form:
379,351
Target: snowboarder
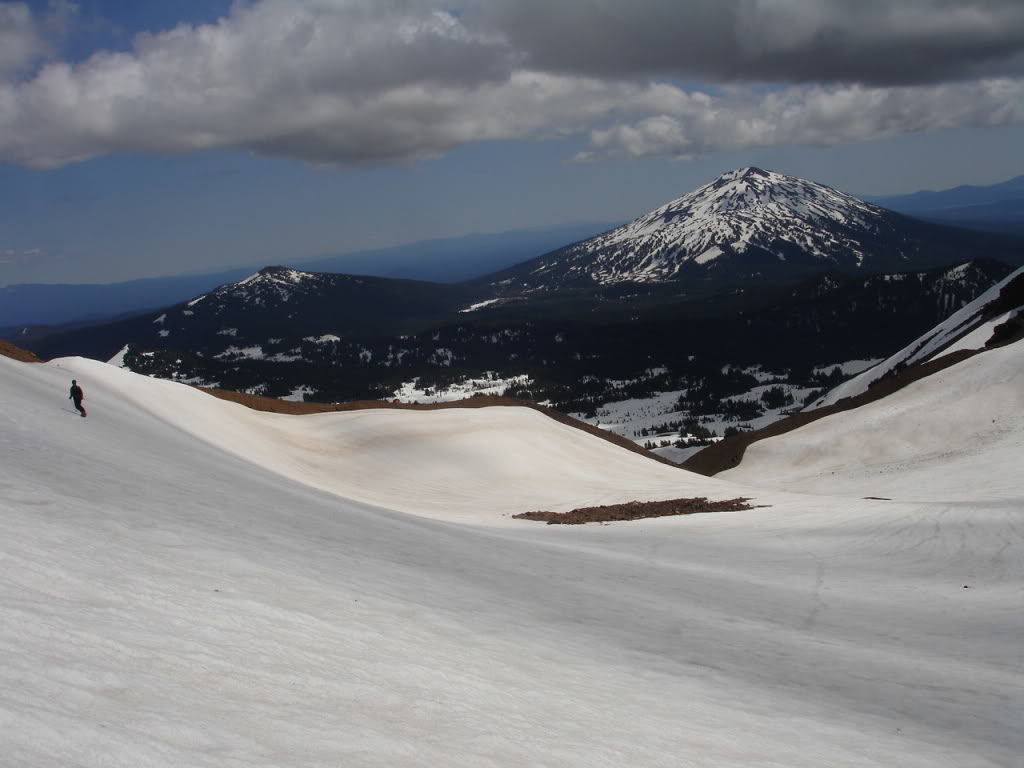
78,396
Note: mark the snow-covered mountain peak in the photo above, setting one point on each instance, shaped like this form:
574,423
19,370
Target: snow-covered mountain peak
745,217
279,283
748,201
276,276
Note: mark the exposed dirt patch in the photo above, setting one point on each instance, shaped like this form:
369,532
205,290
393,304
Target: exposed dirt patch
637,510
17,353
1010,297
1009,332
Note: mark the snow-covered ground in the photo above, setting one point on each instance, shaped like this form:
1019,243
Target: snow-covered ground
632,417
490,384
956,436
186,582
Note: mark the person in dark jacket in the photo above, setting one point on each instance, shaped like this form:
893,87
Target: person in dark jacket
78,396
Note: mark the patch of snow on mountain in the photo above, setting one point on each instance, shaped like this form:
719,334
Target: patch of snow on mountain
757,371
118,360
709,255
490,384
198,381
298,395
658,419
276,283
395,356
441,356
976,339
479,305
255,352
327,338
291,356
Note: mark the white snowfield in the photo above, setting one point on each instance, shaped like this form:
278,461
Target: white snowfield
188,583
957,436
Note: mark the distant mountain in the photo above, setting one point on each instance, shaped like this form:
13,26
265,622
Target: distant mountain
334,337
53,304
787,273
455,259
992,208
752,225
964,196
446,260
269,312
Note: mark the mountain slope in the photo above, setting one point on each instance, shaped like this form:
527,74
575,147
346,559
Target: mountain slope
330,338
446,260
41,304
274,303
177,591
953,365
963,196
968,328
993,208
753,225
967,420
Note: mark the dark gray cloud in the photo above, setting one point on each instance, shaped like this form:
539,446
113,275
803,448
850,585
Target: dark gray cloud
879,42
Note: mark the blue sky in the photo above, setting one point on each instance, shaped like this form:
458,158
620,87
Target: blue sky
155,138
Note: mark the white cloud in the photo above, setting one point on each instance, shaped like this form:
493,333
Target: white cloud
27,38
21,39
369,82
818,115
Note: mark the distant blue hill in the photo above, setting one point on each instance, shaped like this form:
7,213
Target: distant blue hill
45,304
447,261
455,259
992,208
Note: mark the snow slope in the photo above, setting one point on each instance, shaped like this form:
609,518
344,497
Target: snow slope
476,465
185,583
957,435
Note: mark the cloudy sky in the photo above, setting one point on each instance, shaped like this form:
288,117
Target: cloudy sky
152,137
